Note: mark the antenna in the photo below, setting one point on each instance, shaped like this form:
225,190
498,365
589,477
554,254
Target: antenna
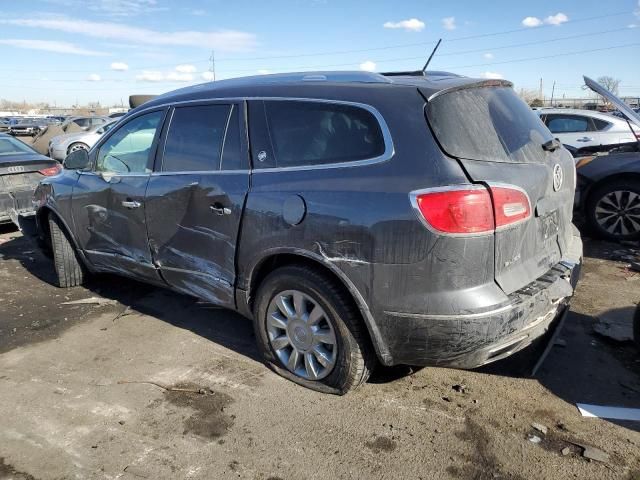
424,69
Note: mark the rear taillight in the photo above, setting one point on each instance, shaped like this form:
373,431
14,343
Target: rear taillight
471,209
510,205
51,171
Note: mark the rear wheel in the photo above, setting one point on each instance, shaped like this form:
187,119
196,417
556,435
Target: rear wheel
69,270
309,331
613,210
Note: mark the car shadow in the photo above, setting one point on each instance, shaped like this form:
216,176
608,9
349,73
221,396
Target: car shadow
215,324
583,369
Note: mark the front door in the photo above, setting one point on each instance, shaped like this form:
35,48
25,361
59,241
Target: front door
577,131
195,199
108,200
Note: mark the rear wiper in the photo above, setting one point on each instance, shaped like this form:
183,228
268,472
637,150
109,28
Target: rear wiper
551,146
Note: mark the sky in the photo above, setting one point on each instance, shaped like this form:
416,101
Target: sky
67,52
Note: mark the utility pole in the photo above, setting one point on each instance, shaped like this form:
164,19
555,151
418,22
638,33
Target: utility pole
553,90
540,94
212,58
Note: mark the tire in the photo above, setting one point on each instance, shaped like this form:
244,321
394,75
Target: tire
69,271
636,327
605,205
77,146
351,352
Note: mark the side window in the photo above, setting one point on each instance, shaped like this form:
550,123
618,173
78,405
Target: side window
567,124
233,158
195,137
318,133
600,124
82,122
128,149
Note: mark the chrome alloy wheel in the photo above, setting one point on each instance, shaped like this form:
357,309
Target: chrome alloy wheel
301,335
618,212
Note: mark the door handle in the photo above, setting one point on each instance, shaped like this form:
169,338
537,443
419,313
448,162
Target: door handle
219,209
131,204
585,139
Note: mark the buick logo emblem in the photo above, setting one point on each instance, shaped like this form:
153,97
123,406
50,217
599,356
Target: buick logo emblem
558,177
16,169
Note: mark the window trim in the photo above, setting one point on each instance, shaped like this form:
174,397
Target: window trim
388,153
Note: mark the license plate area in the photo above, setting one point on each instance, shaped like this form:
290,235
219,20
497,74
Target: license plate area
549,225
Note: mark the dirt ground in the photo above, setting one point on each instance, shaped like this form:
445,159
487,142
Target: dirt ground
86,391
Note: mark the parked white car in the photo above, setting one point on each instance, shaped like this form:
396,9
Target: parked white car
62,145
586,130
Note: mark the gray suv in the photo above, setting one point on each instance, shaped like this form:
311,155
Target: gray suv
356,217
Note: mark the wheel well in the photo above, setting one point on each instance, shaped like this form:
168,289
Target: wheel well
43,223
273,262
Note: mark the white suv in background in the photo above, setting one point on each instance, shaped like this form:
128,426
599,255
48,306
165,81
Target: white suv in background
588,131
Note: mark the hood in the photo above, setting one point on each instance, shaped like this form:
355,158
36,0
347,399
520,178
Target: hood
626,110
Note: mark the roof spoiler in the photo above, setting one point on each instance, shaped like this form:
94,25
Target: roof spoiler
137,100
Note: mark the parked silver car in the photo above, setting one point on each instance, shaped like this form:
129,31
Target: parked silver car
588,131
62,145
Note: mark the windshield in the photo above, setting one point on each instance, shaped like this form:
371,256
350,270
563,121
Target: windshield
11,146
487,123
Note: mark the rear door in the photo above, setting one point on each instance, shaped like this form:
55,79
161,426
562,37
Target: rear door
575,130
498,139
195,199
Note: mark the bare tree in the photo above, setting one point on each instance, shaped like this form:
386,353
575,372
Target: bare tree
611,84
530,96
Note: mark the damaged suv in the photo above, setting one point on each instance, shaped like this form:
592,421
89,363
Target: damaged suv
357,218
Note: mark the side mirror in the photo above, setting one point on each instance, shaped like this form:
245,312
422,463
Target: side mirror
77,160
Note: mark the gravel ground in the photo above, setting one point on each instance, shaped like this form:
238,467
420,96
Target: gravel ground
150,384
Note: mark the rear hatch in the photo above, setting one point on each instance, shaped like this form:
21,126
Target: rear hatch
498,139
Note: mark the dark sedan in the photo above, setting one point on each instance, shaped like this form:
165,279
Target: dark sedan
27,127
21,169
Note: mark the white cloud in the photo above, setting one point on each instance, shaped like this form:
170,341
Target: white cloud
488,56
412,24
492,75
632,25
557,19
198,12
150,76
51,46
264,71
223,40
368,66
207,76
186,68
94,77
531,22
637,11
119,66
179,77
117,8
449,23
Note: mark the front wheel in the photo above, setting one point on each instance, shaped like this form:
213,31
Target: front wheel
77,146
69,271
309,331
613,210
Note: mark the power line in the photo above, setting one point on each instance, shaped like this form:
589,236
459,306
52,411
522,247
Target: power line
544,57
370,49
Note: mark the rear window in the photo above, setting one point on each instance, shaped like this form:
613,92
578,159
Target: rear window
11,146
318,133
487,123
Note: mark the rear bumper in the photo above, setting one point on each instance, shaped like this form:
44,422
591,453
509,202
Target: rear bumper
14,204
473,339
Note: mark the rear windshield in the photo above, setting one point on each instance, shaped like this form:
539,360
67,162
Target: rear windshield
11,146
487,123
